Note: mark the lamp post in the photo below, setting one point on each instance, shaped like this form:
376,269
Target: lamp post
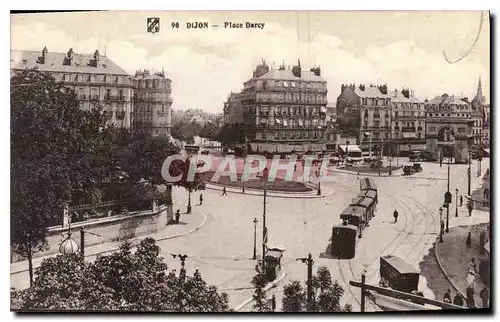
468,174
319,183
440,221
255,238
448,201
189,202
456,202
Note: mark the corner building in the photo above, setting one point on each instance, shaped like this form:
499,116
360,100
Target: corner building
284,109
152,103
96,80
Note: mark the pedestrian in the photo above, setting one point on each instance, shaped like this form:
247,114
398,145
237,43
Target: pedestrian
224,192
482,242
358,174
486,194
201,199
461,201
177,216
468,242
458,300
447,296
470,297
442,225
470,207
472,266
440,162
395,216
485,296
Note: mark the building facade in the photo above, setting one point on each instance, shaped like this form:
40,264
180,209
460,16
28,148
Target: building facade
408,122
96,80
486,126
152,103
284,109
233,110
449,127
368,109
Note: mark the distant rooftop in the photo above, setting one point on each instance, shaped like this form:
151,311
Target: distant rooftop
286,74
59,62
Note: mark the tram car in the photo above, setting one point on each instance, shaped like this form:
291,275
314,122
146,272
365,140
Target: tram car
354,219
366,185
399,275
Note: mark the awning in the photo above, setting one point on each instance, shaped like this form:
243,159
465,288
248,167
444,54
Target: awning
278,121
350,148
486,152
301,123
285,123
487,247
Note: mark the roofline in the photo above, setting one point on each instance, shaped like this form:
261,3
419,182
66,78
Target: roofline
71,72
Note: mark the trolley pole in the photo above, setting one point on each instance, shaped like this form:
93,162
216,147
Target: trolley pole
310,262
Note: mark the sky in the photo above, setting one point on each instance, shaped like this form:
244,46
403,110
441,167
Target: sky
400,48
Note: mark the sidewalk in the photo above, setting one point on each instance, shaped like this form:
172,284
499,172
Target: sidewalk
453,258
325,192
188,224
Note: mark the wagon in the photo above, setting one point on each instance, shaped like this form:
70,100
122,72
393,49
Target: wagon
398,274
344,239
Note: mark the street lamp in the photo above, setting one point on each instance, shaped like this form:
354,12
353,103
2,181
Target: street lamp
255,238
468,174
448,201
441,225
319,184
456,203
189,202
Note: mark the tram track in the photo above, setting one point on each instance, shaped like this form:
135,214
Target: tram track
422,209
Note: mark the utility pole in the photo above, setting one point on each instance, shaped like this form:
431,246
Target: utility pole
244,164
82,242
264,228
182,258
310,262
468,174
363,293
448,201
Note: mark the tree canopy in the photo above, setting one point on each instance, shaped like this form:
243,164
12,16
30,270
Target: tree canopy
326,295
123,280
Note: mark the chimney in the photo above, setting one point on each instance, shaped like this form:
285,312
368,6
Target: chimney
96,55
297,70
69,57
316,71
395,93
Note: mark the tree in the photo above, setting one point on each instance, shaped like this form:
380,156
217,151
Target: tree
231,133
294,297
209,130
122,281
55,148
261,304
326,295
179,167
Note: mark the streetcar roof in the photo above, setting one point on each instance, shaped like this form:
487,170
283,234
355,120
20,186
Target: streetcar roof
352,210
398,264
350,227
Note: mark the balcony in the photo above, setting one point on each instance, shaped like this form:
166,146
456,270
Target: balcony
114,98
408,129
376,116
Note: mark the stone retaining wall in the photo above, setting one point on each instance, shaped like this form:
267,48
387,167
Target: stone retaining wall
109,229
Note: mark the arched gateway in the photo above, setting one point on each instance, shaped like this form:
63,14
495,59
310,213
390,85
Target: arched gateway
449,128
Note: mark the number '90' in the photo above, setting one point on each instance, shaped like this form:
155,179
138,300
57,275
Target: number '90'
175,25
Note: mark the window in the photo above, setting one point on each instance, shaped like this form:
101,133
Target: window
163,108
121,94
108,93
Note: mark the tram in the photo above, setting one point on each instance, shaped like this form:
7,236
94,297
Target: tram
354,219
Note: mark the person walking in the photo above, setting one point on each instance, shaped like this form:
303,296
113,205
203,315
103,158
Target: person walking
177,216
461,200
201,199
395,216
468,242
458,300
447,296
472,266
470,297
485,296
224,192
470,207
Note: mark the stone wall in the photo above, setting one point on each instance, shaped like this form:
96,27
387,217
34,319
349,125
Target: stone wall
109,229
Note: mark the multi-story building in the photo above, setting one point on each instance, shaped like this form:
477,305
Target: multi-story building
96,80
408,122
486,126
449,127
285,109
372,108
152,103
233,110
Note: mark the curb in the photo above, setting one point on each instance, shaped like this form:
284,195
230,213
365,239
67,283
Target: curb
254,193
266,288
117,248
438,260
